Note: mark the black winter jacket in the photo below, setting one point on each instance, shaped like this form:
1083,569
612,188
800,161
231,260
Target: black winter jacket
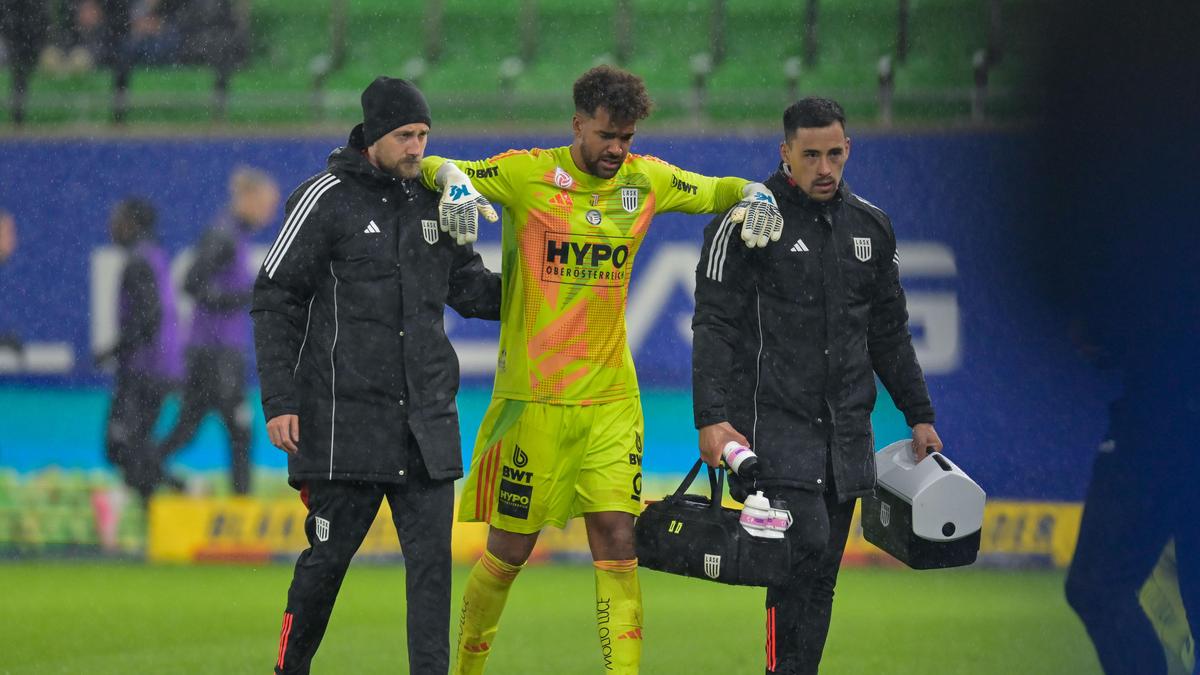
348,323
788,339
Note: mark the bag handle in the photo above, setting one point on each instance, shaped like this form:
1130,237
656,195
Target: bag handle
716,484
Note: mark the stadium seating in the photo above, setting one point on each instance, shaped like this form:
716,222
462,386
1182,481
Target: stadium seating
511,61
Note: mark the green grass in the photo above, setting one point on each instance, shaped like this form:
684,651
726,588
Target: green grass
69,617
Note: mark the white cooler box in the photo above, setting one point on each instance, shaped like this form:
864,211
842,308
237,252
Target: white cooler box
927,515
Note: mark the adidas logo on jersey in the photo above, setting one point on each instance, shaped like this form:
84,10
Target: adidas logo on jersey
372,228
799,247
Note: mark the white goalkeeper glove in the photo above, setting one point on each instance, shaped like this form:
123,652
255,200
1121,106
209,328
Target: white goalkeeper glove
461,205
759,215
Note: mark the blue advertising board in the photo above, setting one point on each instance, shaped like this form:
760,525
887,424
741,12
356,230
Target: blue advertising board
1016,405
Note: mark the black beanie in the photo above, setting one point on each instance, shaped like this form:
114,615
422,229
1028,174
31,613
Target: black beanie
389,103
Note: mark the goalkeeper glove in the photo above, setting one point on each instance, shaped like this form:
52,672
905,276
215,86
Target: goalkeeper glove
759,215
461,205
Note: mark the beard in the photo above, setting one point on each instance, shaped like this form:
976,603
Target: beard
406,168
593,166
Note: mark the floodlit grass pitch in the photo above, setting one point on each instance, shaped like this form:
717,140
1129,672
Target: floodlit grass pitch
95,617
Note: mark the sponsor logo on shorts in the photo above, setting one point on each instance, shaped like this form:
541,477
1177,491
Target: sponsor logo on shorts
518,475
637,487
520,459
514,499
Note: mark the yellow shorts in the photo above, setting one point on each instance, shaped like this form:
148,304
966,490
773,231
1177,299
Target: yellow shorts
536,464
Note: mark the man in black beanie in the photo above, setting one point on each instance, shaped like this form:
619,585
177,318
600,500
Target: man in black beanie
358,377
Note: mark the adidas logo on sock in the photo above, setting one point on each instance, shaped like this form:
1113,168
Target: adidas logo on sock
372,228
799,247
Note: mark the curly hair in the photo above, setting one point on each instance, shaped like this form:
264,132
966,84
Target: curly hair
620,92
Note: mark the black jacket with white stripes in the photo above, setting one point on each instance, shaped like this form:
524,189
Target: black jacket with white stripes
787,339
348,324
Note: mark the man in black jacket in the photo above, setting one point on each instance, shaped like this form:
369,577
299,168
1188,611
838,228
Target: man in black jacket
788,340
358,377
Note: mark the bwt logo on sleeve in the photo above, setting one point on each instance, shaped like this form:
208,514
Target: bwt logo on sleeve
683,186
489,172
588,261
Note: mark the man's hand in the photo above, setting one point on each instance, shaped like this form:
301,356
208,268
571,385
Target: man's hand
713,439
284,432
759,215
461,205
925,439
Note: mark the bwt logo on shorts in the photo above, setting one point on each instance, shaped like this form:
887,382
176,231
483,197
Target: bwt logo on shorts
683,186
514,499
518,475
490,172
591,261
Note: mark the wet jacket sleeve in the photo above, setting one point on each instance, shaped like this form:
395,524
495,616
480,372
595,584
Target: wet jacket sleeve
140,323
724,288
283,292
890,342
215,252
474,289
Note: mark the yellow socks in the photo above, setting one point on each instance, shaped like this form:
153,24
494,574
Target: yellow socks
619,615
483,602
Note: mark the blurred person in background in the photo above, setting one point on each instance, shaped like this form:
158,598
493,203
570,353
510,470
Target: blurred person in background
82,38
221,281
358,376
169,32
147,354
8,236
24,25
8,246
1116,247
787,343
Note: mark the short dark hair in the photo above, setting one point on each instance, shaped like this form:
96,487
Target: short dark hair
813,112
620,92
139,213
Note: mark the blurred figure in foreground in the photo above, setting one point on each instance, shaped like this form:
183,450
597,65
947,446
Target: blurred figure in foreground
147,352
221,281
1116,229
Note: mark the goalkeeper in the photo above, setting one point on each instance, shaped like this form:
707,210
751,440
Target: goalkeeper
562,437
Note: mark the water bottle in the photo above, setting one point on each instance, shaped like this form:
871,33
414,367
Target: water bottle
740,460
762,519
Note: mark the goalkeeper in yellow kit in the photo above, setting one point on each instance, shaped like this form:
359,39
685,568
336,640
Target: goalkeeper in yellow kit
562,436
